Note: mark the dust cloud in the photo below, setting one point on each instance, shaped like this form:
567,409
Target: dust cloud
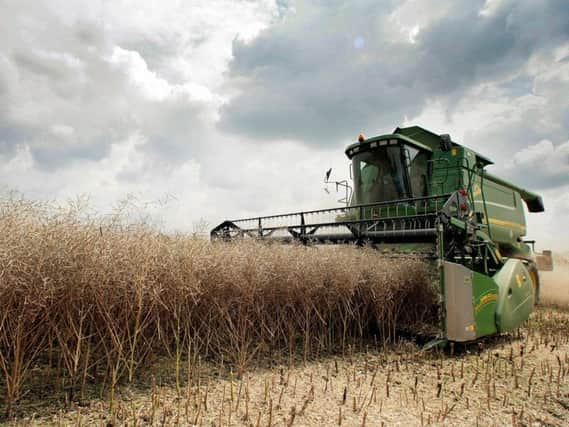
555,284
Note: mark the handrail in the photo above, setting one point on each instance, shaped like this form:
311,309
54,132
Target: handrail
344,208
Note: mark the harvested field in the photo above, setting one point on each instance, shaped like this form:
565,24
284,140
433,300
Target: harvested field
519,379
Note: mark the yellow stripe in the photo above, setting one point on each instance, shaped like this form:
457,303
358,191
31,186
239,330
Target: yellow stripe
510,224
498,254
477,191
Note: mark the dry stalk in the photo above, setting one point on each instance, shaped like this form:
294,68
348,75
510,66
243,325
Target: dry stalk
103,297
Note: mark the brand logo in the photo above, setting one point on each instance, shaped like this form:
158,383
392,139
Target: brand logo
484,300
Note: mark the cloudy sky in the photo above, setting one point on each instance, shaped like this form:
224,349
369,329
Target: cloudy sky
223,108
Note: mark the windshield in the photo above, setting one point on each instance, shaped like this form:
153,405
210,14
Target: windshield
389,173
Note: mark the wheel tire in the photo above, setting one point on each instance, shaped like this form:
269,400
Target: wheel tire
534,277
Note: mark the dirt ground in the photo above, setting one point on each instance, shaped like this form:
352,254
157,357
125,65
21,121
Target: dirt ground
519,379
516,379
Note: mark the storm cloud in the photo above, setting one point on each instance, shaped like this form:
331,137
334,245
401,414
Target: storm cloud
332,69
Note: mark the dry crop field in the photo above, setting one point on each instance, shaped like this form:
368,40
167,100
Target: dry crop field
104,322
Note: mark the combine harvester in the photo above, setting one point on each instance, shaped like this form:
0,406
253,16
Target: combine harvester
419,193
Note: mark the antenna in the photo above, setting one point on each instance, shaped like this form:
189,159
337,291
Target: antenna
344,184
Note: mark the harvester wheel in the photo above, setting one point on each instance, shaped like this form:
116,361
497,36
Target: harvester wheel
534,276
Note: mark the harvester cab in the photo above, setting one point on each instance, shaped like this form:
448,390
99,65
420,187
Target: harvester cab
417,193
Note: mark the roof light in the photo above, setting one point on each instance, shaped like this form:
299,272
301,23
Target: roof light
361,137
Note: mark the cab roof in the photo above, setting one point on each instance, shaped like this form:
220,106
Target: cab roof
381,140
424,139
416,136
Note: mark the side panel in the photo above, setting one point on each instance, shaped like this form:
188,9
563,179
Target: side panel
446,174
460,325
516,295
485,292
503,211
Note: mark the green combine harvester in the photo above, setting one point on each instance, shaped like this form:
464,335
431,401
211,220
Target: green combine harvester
416,192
